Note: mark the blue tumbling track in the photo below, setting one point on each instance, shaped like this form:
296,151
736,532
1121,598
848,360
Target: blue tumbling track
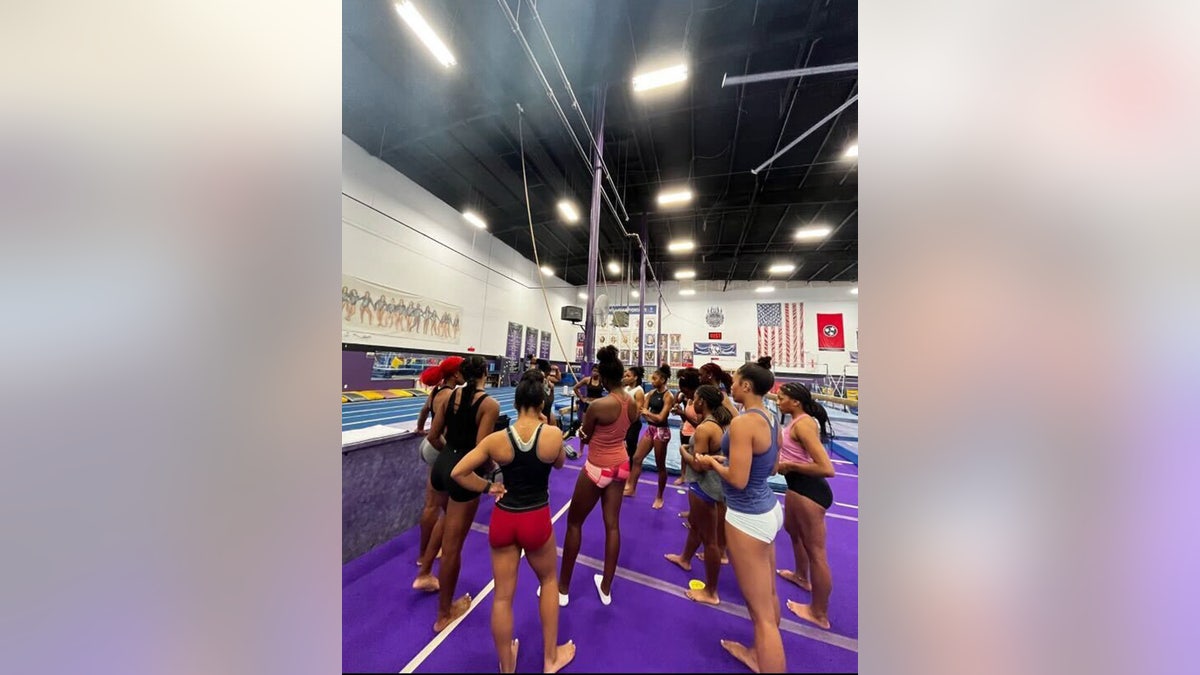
402,410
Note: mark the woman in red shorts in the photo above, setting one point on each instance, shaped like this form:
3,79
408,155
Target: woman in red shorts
525,452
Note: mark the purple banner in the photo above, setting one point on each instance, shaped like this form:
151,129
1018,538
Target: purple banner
544,348
531,338
512,349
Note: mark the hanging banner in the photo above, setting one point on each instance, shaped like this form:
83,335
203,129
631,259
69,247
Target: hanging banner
544,345
370,310
531,338
829,333
512,348
714,348
633,309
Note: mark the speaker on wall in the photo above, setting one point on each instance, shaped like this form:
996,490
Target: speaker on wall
572,313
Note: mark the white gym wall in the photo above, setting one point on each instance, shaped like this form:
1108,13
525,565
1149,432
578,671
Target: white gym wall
432,264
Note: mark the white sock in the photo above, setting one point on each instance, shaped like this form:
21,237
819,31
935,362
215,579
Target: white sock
563,598
604,599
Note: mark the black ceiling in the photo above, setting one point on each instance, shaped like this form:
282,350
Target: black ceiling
455,130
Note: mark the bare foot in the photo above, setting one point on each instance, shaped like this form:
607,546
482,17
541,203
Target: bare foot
563,655
678,481
741,653
628,492
658,503
427,583
724,558
684,514
705,596
457,609
515,645
678,560
806,612
789,575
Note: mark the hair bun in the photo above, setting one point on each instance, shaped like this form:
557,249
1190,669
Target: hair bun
607,354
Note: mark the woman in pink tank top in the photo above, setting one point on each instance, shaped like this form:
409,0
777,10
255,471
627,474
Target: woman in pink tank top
805,465
603,477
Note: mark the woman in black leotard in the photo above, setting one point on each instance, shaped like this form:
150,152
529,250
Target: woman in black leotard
591,390
633,386
657,434
465,416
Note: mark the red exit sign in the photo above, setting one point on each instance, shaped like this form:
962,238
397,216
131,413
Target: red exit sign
714,336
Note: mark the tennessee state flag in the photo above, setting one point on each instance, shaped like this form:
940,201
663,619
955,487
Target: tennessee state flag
829,333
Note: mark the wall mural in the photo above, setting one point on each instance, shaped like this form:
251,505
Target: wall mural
370,310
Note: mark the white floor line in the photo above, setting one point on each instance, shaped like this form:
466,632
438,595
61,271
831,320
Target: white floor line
849,506
725,606
487,590
735,609
841,461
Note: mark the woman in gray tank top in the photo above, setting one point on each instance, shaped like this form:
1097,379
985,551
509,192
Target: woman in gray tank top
706,498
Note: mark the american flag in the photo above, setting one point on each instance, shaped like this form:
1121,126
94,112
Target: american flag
781,332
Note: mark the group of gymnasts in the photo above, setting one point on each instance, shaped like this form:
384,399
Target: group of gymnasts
409,317
731,445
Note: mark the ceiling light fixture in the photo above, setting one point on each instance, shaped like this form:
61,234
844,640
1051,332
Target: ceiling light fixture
851,151
681,245
582,295
781,268
765,289
676,197
425,33
635,293
475,220
854,291
687,291
685,274
567,209
547,270
819,232
660,78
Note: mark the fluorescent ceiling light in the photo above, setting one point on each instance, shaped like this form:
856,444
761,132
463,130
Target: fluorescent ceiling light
547,270
635,293
685,274
781,268
567,209
582,295
854,290
681,245
660,78
614,267
687,291
765,289
474,220
425,33
676,197
851,151
818,232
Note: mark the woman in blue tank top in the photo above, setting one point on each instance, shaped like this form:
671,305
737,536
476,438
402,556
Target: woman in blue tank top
753,516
